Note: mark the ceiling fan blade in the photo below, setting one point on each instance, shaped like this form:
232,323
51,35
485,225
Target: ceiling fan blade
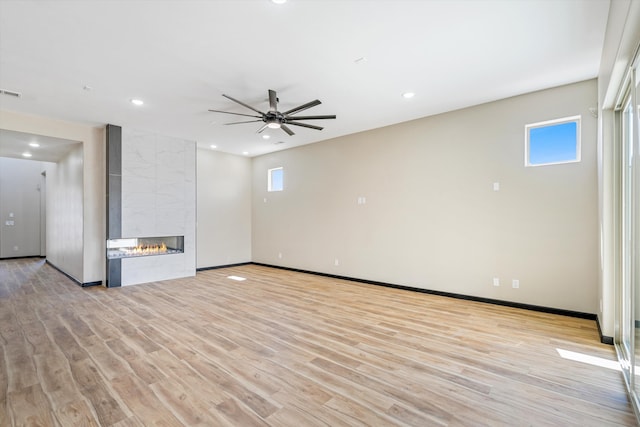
304,125
303,107
243,104
248,121
262,128
237,114
311,117
273,100
286,129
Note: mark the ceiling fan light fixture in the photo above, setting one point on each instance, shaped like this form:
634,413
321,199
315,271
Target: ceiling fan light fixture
273,125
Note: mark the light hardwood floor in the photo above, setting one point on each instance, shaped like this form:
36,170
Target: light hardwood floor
288,349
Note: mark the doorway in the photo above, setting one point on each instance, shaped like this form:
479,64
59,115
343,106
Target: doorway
43,214
28,163
627,141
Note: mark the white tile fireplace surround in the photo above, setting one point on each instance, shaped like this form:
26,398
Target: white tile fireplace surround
158,199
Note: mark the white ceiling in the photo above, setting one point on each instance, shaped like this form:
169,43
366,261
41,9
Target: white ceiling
49,149
181,56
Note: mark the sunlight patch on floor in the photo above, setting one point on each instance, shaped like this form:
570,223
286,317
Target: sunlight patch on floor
591,360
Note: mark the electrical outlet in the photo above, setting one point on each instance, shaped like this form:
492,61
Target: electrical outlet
496,281
15,248
336,262
515,283
280,255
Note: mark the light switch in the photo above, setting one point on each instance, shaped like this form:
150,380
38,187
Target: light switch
496,186
10,214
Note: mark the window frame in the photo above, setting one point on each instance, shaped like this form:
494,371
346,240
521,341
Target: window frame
527,144
270,172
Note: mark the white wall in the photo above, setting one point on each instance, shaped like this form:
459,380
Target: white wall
20,189
65,242
158,199
224,209
90,256
431,218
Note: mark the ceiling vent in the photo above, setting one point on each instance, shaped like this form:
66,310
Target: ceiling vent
10,93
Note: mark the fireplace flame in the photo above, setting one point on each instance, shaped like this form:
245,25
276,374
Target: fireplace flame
148,249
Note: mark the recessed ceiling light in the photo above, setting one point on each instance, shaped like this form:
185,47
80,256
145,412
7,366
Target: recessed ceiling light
137,101
408,95
213,146
26,154
34,144
266,136
246,153
278,1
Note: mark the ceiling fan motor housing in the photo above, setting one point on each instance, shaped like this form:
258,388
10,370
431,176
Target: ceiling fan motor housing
273,117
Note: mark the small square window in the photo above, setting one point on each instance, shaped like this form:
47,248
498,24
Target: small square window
553,142
275,179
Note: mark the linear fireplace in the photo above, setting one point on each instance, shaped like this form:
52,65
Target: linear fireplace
144,246
151,207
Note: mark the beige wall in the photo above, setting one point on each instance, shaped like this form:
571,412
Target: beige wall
94,196
86,261
431,218
65,244
224,209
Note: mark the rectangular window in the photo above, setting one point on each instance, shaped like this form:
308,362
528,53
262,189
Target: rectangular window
552,142
275,179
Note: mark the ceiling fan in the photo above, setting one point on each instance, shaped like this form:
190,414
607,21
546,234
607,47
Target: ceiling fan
275,119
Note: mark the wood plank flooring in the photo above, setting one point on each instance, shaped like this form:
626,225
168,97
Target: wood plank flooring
288,349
